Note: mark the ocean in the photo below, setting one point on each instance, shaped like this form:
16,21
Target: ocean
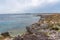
16,23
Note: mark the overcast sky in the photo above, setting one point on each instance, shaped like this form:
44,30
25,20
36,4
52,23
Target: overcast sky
29,6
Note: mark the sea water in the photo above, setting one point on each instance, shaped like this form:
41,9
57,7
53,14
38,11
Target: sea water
16,22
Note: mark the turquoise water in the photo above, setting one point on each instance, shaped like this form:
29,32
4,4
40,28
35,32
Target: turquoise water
14,22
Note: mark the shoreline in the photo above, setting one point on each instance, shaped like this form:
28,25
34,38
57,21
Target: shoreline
47,28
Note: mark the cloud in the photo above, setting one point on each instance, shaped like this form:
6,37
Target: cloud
19,6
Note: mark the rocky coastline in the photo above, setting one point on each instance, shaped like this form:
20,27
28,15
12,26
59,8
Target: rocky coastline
47,28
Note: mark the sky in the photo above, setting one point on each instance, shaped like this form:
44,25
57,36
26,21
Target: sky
29,6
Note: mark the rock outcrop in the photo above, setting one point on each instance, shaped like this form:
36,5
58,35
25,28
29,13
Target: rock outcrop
47,28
